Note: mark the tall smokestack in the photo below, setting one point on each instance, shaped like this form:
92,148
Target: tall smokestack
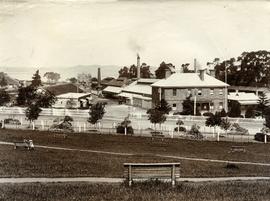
138,67
99,78
195,66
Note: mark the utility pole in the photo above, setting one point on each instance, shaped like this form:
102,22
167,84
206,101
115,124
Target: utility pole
195,101
226,89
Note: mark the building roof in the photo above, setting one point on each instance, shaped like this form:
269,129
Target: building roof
244,98
147,80
138,88
188,80
131,95
73,95
63,88
249,88
111,89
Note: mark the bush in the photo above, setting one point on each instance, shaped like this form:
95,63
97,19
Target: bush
237,128
195,132
12,121
260,137
181,129
231,166
62,124
121,129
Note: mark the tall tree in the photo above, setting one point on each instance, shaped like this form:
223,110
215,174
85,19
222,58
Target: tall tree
213,120
156,116
3,82
36,80
161,71
4,97
234,109
164,107
96,112
52,76
124,72
263,103
32,112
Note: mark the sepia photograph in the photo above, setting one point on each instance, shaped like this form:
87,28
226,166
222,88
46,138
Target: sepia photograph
134,100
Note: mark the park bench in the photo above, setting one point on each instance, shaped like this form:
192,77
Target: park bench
157,135
238,149
60,135
142,171
27,144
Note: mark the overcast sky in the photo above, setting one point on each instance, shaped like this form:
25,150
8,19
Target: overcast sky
46,33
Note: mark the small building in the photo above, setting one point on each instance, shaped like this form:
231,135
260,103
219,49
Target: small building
207,92
245,100
73,100
63,88
138,93
111,91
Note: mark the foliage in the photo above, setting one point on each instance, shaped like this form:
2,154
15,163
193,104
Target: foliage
161,71
156,116
267,117
164,106
126,124
179,122
223,113
235,109
213,120
208,114
180,128
3,82
85,79
237,128
63,124
185,68
4,97
52,76
96,112
250,112
32,112
73,80
36,80
45,99
249,69
131,72
12,121
25,95
188,107
260,137
262,103
195,132
225,124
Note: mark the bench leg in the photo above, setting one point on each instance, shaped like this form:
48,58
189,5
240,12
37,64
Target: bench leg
129,176
173,175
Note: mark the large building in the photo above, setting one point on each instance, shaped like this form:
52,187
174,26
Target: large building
207,92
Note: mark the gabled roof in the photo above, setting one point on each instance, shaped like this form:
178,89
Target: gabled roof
63,89
111,89
138,88
189,80
73,95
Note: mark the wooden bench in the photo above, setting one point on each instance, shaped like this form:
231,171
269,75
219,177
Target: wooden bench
238,149
152,171
157,135
27,144
60,135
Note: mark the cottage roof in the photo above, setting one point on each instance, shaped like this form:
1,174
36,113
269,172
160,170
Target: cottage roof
189,80
112,89
73,95
244,98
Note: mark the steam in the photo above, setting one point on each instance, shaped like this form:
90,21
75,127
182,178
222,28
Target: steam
134,45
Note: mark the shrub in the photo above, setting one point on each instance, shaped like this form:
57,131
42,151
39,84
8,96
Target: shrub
237,128
195,132
125,124
208,114
231,166
260,137
63,124
181,129
12,121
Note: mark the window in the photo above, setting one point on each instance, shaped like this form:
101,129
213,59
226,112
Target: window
174,92
199,93
174,106
211,106
211,91
220,105
221,92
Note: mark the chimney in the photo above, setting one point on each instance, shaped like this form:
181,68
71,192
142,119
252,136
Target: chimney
202,72
195,66
138,67
99,78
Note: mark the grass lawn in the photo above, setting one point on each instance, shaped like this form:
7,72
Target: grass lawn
59,163
148,191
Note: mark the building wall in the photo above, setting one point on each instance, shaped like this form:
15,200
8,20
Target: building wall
175,97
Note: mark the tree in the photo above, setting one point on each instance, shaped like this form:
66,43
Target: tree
225,124
185,68
164,107
52,76
156,116
188,107
25,95
124,72
3,82
250,112
32,112
235,109
161,71
262,103
73,80
36,80
213,120
96,112
223,113
4,97
131,72
45,99
267,118
249,69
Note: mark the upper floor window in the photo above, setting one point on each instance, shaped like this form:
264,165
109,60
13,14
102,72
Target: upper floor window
199,92
174,92
211,91
221,92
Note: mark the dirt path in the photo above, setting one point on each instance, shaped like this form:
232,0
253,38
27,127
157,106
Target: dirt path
154,155
118,180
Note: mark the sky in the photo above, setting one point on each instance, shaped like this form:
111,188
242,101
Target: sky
59,33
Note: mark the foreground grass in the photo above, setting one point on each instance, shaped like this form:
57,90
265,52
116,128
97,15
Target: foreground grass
148,191
59,163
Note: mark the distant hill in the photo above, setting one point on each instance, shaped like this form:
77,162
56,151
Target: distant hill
10,81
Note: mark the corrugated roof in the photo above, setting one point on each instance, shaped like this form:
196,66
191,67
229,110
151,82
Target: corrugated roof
138,88
130,96
112,89
188,80
242,96
73,95
63,88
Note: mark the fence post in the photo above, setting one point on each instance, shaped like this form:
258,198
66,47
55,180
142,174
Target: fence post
42,124
79,126
84,127
33,125
265,138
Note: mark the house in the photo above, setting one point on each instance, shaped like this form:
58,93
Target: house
207,92
73,100
245,99
138,93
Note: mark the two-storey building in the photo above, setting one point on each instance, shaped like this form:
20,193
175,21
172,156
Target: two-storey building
208,93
